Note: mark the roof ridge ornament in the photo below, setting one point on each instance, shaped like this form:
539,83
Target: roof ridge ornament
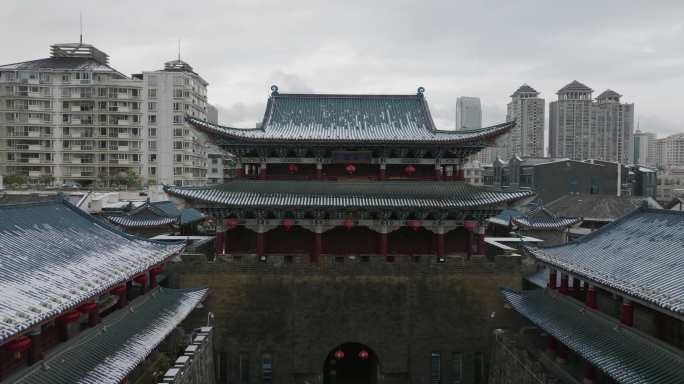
274,90
420,91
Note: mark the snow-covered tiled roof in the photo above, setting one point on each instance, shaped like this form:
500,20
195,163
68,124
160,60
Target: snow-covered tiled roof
350,118
541,219
53,257
110,352
379,194
156,214
639,255
625,355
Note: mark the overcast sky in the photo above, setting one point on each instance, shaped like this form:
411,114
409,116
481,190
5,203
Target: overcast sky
452,48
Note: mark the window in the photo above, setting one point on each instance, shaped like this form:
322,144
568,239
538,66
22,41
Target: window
267,369
152,145
244,369
151,106
177,119
456,368
179,158
435,368
152,93
177,106
152,119
478,361
178,132
153,158
153,171
177,93
177,145
153,132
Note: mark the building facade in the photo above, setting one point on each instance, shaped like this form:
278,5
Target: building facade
645,148
334,215
526,139
582,129
468,113
73,119
670,151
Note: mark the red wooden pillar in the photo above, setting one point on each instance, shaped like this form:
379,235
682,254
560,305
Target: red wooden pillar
564,284
319,171
121,291
460,173
589,372
382,171
438,172
239,171
552,344
383,246
35,352
480,244
154,272
591,297
94,317
260,244
552,279
561,352
440,245
317,247
218,242
262,171
627,313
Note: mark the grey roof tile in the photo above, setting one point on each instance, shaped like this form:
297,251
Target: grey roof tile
108,353
638,255
53,256
626,355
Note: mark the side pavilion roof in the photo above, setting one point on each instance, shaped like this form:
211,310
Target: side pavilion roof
109,352
331,118
53,257
638,255
625,354
156,214
380,194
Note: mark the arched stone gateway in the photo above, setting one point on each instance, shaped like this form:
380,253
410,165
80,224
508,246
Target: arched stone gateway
351,363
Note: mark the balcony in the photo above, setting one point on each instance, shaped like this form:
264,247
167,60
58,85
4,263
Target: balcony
122,122
123,161
123,149
35,120
124,96
75,122
34,173
34,160
123,135
33,134
75,108
34,147
33,107
76,160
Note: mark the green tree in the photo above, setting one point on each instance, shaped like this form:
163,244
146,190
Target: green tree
46,179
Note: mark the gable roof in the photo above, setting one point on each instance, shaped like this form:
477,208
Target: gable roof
598,207
638,255
542,219
390,194
112,350
53,257
626,355
574,86
332,118
524,89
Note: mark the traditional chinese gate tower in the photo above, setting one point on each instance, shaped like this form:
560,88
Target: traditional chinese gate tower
343,175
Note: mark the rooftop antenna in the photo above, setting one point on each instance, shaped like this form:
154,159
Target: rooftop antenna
80,21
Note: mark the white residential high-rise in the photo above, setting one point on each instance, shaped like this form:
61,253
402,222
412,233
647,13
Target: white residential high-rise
670,151
526,139
582,129
177,151
73,119
70,118
645,148
468,113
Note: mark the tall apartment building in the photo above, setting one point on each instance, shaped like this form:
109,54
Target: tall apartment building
581,129
468,113
177,153
670,151
526,139
73,119
645,149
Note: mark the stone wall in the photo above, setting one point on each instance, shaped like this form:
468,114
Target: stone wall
297,313
513,363
196,364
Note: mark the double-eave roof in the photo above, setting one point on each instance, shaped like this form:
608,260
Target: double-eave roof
323,194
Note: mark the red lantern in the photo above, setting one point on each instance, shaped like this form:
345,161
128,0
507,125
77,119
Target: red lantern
288,224
470,225
351,168
18,345
292,169
87,307
348,223
69,317
339,354
141,279
232,222
409,170
413,224
363,354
